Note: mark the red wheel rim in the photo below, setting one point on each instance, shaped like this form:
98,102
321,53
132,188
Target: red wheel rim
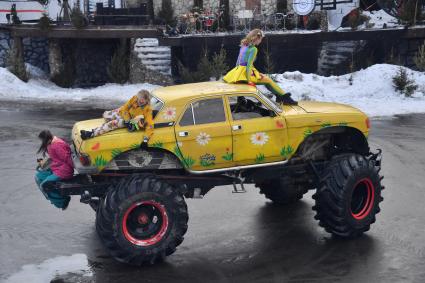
145,223
362,199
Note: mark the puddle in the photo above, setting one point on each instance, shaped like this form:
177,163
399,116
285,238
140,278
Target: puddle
51,269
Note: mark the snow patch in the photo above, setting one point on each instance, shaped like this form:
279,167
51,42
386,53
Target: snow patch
380,17
50,268
371,90
38,88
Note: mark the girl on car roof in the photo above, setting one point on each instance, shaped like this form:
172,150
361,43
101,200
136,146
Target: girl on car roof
245,72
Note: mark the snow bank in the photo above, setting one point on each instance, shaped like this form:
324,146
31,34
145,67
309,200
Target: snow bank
39,88
371,91
380,17
49,269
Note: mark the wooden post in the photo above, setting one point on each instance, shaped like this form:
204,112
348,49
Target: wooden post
55,57
17,60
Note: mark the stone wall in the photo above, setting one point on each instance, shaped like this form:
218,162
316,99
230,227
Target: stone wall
36,51
5,45
180,6
268,6
92,58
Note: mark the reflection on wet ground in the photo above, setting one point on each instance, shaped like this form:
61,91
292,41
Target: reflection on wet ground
231,237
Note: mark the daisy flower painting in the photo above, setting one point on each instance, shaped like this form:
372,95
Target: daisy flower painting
260,138
169,113
203,138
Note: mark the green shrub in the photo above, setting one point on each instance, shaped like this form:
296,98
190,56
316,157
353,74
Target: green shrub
78,19
45,23
269,66
403,84
119,68
185,75
66,76
219,66
206,69
411,11
419,58
167,12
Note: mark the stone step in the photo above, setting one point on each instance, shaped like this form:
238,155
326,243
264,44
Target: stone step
154,56
156,49
156,62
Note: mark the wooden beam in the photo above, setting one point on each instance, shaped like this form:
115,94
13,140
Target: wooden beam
307,38
93,32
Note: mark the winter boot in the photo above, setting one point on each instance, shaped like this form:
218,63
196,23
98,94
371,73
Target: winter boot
86,134
286,99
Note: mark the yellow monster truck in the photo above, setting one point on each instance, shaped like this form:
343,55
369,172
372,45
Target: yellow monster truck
211,134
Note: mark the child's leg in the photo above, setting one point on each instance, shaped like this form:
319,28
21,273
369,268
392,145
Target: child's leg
270,85
110,115
281,96
40,177
108,126
55,198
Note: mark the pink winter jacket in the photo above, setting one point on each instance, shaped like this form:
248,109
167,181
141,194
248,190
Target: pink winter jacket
61,160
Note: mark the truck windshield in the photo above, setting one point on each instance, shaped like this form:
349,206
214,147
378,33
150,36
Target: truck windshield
156,104
270,102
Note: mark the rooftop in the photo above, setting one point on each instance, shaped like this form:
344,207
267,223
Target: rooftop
188,91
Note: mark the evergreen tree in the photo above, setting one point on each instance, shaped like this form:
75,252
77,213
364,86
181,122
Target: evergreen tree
403,84
167,12
119,68
419,58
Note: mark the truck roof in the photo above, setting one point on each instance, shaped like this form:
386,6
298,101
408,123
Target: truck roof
188,91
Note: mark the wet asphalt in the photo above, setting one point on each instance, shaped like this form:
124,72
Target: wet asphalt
231,237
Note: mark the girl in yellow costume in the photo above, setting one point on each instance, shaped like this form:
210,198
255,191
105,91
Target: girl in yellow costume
135,113
245,72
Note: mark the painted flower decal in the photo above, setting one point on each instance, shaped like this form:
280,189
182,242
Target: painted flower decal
96,146
203,138
169,113
260,138
279,124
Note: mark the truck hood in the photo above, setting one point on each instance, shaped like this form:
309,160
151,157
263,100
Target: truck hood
88,125
326,107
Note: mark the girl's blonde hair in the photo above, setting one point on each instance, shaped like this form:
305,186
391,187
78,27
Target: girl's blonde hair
252,36
144,94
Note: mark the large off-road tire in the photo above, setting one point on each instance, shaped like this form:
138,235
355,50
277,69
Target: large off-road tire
349,194
282,193
142,219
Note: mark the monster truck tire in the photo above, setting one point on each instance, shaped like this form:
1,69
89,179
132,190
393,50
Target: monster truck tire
282,194
348,197
142,220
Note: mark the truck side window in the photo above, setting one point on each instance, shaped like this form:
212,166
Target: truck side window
209,111
187,119
248,107
204,112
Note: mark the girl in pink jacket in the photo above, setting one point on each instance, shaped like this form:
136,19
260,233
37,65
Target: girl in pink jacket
60,168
